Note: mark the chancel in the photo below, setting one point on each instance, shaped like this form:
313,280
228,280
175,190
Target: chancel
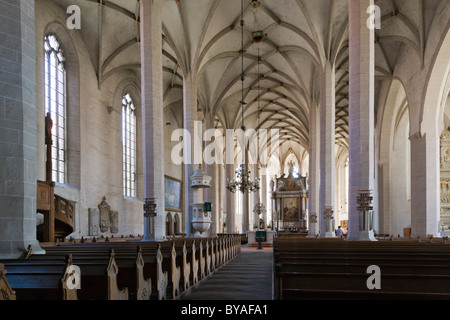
298,118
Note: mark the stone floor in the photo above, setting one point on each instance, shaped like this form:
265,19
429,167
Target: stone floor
247,277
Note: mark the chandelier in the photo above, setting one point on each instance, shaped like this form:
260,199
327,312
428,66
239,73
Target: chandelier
243,182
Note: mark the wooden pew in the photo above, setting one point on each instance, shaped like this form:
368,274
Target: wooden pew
6,292
202,260
147,273
195,258
98,283
139,286
39,280
186,267
173,261
136,269
157,263
334,269
212,249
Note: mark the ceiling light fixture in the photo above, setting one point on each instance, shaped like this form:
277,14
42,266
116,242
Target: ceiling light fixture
242,181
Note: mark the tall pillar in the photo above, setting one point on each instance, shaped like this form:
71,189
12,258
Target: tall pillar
245,202
230,199
18,129
219,197
425,193
152,113
210,193
361,121
192,155
314,171
255,196
327,151
264,193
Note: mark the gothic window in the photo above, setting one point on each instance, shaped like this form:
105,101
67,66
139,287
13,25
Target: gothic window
129,146
55,103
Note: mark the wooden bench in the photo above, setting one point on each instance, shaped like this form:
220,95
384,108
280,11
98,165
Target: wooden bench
39,280
6,292
337,269
143,270
138,271
175,261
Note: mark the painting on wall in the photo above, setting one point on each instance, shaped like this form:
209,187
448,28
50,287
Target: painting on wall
172,194
291,209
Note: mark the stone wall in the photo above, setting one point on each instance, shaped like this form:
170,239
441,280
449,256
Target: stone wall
94,128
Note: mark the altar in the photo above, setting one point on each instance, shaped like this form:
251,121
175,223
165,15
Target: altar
266,235
290,203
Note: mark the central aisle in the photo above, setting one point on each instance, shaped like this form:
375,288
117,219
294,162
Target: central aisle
246,277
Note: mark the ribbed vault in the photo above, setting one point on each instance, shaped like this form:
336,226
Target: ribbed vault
282,80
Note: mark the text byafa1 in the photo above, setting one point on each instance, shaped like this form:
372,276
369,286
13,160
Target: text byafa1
250,309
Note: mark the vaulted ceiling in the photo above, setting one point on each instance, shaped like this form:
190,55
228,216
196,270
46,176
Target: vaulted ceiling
282,72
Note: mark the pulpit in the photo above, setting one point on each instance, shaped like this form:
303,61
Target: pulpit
46,206
58,212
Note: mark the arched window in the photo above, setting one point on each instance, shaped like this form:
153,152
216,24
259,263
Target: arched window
129,146
55,103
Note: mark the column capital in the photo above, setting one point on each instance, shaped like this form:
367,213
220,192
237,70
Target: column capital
416,136
313,217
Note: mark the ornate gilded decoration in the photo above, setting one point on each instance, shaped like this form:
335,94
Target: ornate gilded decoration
445,182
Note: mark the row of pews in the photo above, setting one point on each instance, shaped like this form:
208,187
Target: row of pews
116,270
337,269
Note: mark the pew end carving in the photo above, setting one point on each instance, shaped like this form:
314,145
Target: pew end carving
114,293
6,292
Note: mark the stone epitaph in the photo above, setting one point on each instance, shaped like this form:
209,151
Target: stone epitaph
104,208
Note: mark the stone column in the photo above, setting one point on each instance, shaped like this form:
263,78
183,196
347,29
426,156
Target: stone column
18,129
219,194
314,171
230,199
425,192
152,113
327,151
255,196
210,193
245,202
192,147
264,193
361,118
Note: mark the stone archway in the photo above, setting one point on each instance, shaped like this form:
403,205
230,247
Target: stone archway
426,144
176,225
169,224
394,164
